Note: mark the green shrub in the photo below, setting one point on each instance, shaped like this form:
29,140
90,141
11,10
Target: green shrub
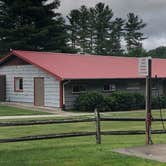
163,101
124,101
139,102
117,101
155,102
109,103
89,101
158,102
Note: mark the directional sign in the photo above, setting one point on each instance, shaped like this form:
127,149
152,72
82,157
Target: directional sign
143,66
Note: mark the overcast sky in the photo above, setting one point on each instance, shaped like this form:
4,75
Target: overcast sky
153,12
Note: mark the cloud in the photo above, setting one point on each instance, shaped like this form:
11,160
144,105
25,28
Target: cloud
154,42
153,12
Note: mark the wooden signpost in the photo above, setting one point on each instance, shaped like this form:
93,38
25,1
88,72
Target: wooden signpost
145,69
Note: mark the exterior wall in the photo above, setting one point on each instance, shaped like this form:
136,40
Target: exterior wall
28,72
130,85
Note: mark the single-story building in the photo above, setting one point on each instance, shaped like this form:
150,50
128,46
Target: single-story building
56,79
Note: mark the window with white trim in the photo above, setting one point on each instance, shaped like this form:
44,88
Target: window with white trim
18,84
78,89
109,87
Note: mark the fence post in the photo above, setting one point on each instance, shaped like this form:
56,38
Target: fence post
98,130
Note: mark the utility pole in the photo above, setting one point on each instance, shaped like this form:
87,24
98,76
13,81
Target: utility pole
145,69
148,103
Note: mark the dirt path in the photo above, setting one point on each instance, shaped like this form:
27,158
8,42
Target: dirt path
152,152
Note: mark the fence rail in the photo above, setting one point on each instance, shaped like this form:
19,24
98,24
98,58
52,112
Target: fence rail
48,136
44,122
129,119
77,134
98,133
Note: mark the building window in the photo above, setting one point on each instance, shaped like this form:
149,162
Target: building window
18,84
79,89
155,85
109,87
133,86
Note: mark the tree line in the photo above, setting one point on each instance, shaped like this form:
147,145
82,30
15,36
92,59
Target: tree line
34,25
94,30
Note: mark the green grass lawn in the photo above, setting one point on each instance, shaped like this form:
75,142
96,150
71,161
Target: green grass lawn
81,151
11,111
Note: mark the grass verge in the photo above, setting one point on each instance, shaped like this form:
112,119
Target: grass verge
12,111
81,151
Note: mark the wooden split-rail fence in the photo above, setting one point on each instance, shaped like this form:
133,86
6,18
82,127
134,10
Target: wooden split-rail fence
97,133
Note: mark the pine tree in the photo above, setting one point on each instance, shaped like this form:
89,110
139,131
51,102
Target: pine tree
133,34
91,30
117,32
79,29
74,28
31,25
83,29
102,22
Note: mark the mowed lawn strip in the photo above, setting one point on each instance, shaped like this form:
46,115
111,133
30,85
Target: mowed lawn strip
74,152
136,114
81,151
13,111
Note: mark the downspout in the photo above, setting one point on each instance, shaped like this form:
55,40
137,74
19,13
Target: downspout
62,93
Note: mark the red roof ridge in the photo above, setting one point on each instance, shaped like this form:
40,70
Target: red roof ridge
56,53
72,54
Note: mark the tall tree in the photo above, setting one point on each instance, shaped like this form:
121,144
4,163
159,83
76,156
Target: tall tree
133,34
74,28
91,30
83,32
117,32
31,25
103,17
79,29
95,31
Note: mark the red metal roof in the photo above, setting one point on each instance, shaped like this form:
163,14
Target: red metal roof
73,66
